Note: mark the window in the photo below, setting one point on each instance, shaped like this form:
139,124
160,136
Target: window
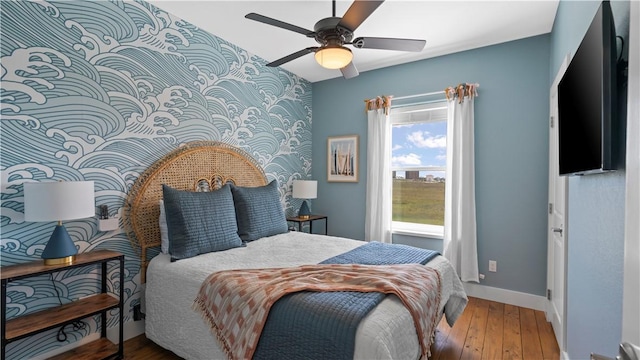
418,164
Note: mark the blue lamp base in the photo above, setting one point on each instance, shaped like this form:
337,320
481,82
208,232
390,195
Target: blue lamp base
304,211
60,248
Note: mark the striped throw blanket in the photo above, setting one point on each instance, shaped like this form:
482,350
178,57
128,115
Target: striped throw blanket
236,303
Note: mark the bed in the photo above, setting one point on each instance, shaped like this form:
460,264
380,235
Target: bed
387,332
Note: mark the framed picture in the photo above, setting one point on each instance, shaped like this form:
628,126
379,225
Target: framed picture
342,158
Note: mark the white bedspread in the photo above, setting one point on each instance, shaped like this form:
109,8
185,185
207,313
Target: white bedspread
386,333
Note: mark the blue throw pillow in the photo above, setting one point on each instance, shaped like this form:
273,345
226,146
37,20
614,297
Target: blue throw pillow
200,222
258,211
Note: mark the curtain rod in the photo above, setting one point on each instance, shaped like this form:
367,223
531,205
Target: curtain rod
460,91
411,96
418,95
410,104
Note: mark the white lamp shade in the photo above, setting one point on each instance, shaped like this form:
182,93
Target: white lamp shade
58,201
305,189
334,57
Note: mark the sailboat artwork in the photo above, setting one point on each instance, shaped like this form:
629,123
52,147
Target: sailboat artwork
342,157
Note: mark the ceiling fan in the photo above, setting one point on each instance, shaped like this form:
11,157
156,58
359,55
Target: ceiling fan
333,33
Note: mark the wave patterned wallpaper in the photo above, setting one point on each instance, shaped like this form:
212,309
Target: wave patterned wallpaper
99,90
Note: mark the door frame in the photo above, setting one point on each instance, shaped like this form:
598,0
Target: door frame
551,270
631,292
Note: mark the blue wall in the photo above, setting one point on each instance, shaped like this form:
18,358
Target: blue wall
595,218
511,144
100,90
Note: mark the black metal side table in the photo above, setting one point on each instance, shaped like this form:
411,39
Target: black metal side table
300,221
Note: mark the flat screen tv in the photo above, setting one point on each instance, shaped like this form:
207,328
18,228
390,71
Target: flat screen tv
587,101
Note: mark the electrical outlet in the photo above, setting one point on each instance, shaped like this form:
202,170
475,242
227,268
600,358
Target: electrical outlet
481,276
493,265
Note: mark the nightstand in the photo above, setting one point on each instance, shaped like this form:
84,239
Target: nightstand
300,221
98,304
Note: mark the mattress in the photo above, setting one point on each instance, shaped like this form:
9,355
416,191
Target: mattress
385,333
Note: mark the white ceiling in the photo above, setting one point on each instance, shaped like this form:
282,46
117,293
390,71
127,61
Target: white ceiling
447,26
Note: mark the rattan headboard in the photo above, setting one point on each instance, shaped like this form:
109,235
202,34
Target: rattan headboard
194,166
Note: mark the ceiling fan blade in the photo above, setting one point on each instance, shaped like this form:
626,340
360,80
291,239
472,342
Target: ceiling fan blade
357,13
349,71
389,44
293,56
280,24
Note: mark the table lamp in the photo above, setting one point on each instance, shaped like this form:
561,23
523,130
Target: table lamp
305,189
58,201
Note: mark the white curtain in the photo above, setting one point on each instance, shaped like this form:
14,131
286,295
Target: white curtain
378,205
460,244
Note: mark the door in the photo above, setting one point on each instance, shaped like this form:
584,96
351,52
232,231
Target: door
557,229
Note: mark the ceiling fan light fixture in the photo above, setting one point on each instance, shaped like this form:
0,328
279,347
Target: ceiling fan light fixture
334,57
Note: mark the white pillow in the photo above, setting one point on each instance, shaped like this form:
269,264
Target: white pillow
164,231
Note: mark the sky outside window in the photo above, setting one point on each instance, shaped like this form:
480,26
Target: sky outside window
419,145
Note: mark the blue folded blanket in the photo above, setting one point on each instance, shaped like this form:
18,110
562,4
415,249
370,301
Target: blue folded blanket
322,325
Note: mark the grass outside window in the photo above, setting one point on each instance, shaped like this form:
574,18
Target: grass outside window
420,202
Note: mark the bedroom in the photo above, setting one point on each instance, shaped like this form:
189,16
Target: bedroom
512,156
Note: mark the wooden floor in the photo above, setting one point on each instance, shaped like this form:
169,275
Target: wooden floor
491,330
486,330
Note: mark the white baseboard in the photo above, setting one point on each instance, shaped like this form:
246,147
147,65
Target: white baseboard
131,329
510,297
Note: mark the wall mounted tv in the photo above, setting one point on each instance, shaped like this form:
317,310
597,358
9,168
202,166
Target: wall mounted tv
588,122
